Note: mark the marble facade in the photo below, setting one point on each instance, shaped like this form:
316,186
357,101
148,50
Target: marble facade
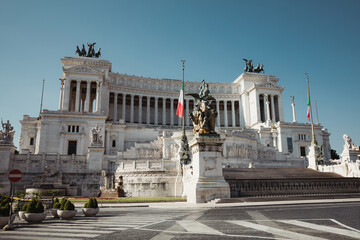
141,132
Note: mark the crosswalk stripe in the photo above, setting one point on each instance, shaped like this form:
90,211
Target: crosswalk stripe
110,225
333,230
61,230
196,227
276,231
63,234
76,226
21,237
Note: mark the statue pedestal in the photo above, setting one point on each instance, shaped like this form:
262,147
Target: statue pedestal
349,155
6,152
206,181
312,157
95,158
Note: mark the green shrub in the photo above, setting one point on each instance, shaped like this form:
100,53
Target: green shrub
39,207
24,207
62,203
4,200
57,205
91,203
35,206
69,206
95,203
21,194
4,210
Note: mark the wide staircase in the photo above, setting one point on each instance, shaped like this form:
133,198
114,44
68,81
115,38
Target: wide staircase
251,184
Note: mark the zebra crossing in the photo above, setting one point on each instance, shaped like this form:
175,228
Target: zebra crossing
81,227
260,230
179,223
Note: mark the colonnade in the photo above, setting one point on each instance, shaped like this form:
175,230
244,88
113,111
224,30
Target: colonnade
80,95
268,108
153,110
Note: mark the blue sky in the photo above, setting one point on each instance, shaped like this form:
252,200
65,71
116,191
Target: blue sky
149,38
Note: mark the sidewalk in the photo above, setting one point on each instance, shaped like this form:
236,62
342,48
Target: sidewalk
222,205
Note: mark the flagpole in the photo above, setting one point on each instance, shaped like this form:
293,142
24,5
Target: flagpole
313,140
42,96
184,149
183,82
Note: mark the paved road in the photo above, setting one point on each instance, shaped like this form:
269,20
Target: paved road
310,221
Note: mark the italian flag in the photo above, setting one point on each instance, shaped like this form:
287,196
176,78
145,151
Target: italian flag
308,109
180,107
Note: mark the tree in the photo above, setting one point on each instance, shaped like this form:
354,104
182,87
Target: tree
334,155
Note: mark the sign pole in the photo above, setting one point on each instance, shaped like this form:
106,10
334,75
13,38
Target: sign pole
14,176
9,227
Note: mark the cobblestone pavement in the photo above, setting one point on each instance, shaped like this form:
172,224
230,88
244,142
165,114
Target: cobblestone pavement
310,221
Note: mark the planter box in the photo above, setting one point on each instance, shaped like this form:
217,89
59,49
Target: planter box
53,212
35,217
4,220
66,214
90,212
22,215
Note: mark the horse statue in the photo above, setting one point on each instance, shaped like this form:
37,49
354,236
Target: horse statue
259,68
83,51
98,54
249,66
78,51
91,51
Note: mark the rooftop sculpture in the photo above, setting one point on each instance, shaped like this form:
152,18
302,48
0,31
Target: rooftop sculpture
204,114
7,134
90,52
250,68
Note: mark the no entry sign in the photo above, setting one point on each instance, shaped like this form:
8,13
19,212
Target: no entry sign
14,175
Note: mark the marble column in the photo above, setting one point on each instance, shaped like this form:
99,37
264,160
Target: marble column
98,96
187,112
115,106
268,121
132,109
225,113
272,108
148,110
164,112
218,111
172,112
123,113
140,110
293,110
61,94
77,99
233,113
156,111
87,100
66,93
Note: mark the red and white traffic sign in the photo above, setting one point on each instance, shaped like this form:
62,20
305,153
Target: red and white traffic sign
14,175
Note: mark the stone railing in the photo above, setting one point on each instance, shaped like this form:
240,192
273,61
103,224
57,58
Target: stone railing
40,163
131,166
345,169
293,187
